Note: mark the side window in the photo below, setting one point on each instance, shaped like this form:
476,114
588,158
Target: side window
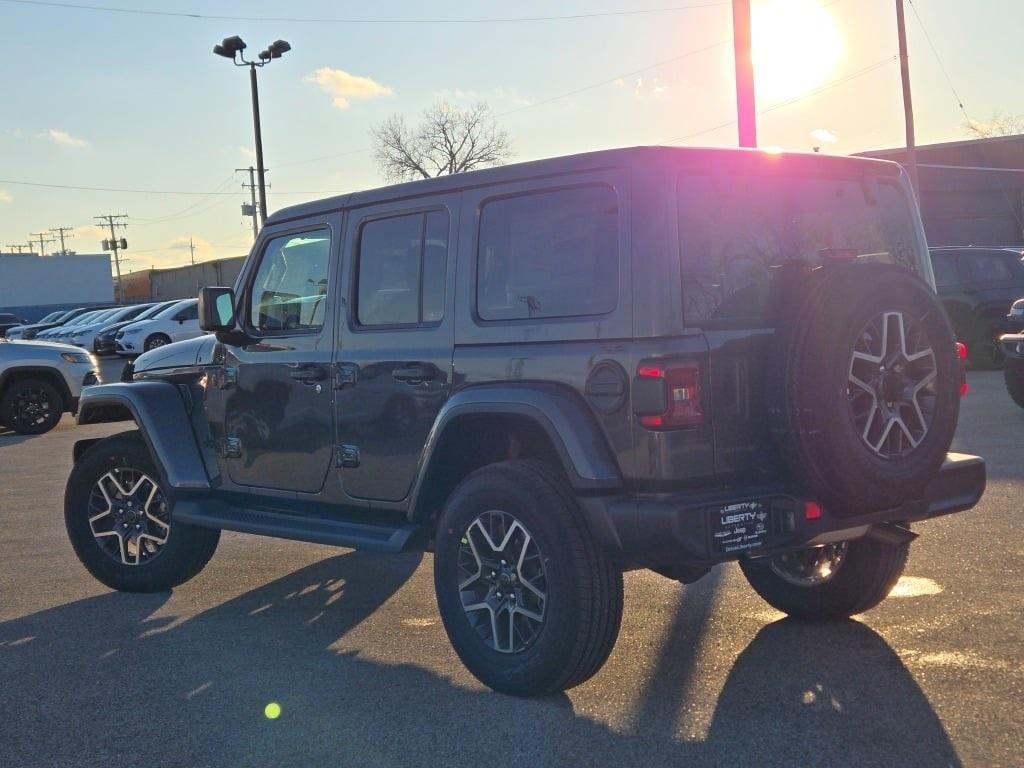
191,312
945,269
989,268
549,254
290,289
401,270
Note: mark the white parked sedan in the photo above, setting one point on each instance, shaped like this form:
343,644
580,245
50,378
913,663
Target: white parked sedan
176,323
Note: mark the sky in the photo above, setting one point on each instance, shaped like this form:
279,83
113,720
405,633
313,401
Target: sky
132,101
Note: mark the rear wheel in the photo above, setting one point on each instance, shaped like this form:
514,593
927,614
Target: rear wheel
118,518
530,601
1013,374
833,581
31,407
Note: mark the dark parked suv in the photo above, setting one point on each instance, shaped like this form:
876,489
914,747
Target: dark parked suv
547,374
978,287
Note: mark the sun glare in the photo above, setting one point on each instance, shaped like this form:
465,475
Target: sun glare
796,46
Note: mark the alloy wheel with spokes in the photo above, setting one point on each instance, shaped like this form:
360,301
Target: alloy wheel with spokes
891,385
31,407
812,566
502,582
129,516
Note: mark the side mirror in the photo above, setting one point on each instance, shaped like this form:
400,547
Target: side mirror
216,309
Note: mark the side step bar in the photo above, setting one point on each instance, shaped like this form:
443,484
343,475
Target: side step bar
371,538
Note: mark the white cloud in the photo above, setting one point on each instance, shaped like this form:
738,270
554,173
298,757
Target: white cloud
342,86
824,135
204,249
642,88
6,197
91,232
248,153
64,138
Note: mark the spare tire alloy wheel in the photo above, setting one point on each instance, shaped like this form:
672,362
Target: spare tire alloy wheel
502,582
129,516
810,567
892,385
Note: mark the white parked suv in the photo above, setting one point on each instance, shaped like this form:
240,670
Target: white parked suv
40,381
176,323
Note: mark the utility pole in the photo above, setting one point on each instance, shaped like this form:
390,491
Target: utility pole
251,210
192,250
114,220
746,118
17,248
41,235
60,233
908,105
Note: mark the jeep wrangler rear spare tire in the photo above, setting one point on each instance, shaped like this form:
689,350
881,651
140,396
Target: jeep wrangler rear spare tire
530,601
118,519
864,392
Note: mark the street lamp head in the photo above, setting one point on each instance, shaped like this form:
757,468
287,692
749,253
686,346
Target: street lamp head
277,48
265,56
230,47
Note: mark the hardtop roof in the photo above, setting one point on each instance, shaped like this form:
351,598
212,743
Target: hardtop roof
587,161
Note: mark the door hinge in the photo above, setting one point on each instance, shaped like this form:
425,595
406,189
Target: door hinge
230,448
224,378
345,375
346,456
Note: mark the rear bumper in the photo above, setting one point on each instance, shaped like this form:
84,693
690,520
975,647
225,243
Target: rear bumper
1013,345
703,529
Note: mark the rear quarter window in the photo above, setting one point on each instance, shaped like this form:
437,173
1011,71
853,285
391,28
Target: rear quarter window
549,254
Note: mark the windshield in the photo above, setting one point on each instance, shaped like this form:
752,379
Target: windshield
51,317
736,235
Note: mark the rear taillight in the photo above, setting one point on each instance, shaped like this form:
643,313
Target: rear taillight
668,395
961,352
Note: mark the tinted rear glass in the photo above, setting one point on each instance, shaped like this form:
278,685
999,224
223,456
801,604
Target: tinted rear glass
945,269
987,267
549,254
735,232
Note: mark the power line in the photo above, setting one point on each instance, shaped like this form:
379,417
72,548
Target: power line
153,191
942,66
809,94
369,20
63,233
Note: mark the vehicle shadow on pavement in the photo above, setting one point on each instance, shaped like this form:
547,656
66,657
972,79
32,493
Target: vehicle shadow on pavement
100,682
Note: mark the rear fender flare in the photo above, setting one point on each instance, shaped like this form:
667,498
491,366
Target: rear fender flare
582,449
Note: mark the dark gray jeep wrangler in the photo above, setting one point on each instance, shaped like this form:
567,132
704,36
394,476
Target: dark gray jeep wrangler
547,374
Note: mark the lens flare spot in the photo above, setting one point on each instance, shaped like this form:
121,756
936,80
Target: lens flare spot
272,711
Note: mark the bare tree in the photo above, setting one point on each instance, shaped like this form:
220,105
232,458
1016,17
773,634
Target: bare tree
448,139
999,125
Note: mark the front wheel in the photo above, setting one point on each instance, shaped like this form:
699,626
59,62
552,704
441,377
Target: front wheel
31,407
156,340
1013,375
119,521
530,601
833,581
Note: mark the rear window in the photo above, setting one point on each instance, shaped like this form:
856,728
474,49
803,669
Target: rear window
736,234
549,254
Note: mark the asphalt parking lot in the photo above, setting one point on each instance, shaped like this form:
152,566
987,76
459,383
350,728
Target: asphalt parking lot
351,648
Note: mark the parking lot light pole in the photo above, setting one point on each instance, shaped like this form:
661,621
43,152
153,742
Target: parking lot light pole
231,48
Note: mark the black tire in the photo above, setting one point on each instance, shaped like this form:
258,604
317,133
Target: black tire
862,580
811,400
186,551
31,406
156,340
1013,375
983,351
583,609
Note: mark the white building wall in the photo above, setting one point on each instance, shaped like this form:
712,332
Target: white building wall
27,281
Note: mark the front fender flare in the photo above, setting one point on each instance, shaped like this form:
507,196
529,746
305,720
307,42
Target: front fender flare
585,457
159,411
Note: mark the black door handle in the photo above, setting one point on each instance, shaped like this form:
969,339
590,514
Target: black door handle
309,374
413,374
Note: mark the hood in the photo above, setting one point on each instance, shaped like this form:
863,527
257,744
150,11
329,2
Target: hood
115,327
180,354
15,346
